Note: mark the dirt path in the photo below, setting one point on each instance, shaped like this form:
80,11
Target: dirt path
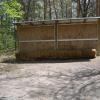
50,80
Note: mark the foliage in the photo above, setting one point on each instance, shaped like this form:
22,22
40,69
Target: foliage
12,8
6,34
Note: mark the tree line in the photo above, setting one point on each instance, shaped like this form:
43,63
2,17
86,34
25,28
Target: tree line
59,9
49,9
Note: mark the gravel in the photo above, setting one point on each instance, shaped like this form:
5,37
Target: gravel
50,79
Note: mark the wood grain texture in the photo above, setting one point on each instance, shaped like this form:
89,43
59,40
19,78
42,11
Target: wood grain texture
56,47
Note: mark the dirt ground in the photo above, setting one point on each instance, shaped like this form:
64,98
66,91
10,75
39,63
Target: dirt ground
50,79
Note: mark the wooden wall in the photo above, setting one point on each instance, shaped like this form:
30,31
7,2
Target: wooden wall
57,40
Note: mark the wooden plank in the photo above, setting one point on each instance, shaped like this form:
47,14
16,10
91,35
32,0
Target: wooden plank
60,40
98,28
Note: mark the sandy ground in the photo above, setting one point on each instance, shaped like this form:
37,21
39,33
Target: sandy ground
50,80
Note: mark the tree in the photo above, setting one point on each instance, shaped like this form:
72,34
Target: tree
12,8
98,7
78,8
9,11
86,8
50,13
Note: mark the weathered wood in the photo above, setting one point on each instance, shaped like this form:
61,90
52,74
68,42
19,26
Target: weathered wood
58,40
62,54
98,46
56,35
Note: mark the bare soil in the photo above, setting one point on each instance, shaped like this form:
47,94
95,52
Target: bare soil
50,79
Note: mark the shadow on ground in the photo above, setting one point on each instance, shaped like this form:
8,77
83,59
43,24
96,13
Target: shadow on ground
48,60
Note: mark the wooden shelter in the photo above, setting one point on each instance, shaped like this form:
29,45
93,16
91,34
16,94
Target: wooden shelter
70,38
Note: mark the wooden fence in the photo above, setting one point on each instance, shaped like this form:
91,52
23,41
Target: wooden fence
71,38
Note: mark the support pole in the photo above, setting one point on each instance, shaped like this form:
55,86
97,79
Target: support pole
15,34
56,34
98,28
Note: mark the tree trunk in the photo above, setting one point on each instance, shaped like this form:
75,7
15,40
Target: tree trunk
45,9
56,14
62,8
33,10
66,11
78,8
97,7
50,15
26,8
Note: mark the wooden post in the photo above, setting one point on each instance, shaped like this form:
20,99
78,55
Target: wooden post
98,29
98,7
18,48
56,34
14,33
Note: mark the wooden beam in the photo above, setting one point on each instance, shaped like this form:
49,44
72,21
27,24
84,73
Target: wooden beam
98,7
98,29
